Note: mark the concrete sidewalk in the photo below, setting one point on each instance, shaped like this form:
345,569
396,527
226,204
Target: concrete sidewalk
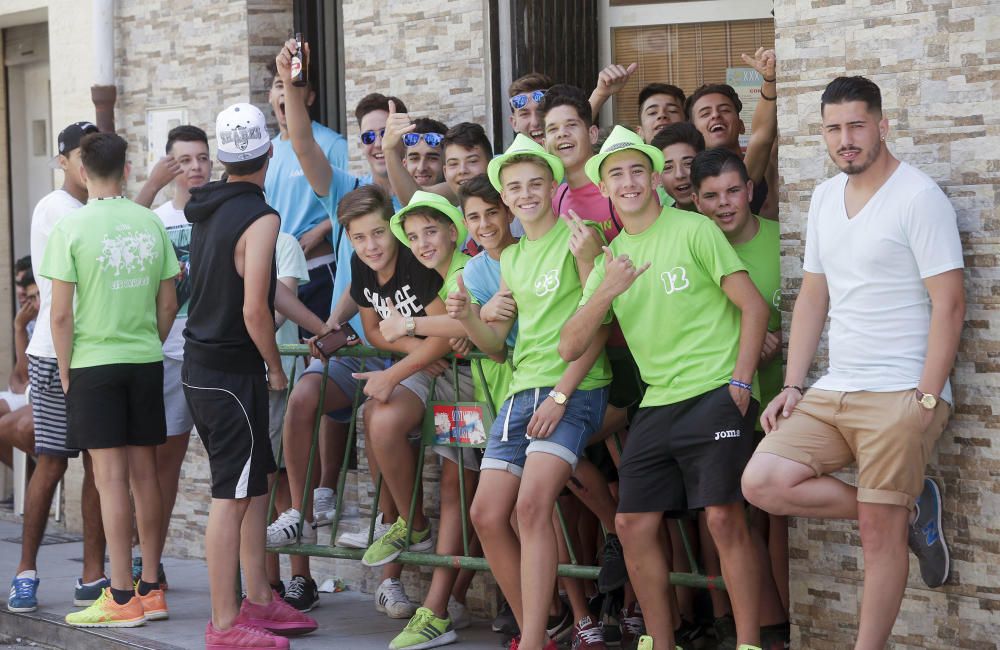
347,619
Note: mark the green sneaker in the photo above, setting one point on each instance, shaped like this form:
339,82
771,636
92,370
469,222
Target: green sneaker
425,630
747,646
388,547
646,643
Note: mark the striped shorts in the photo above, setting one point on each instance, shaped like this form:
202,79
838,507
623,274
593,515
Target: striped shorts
48,408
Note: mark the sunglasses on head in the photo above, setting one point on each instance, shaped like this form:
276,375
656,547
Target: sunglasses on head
518,102
369,137
432,139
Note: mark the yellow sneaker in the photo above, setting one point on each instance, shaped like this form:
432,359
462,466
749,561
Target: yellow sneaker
105,612
154,605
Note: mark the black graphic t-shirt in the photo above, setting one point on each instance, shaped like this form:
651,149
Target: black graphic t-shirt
412,287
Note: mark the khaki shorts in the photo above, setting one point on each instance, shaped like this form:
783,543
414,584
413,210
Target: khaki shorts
883,432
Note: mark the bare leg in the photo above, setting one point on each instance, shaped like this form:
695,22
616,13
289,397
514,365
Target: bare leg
111,475
710,559
575,590
386,425
643,539
48,472
784,487
491,515
282,502
777,546
94,543
148,508
332,449
883,541
222,540
389,512
169,459
449,541
252,542
740,567
679,562
544,477
466,576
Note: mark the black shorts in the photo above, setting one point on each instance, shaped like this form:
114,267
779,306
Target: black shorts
686,455
230,412
115,405
317,294
627,387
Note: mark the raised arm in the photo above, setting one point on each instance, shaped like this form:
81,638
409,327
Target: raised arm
163,172
609,81
764,125
313,161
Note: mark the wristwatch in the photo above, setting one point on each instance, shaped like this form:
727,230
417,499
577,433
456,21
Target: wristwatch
411,326
926,400
557,397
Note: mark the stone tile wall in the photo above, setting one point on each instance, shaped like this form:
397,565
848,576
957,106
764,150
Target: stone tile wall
937,64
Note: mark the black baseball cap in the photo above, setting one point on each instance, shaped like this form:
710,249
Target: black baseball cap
69,138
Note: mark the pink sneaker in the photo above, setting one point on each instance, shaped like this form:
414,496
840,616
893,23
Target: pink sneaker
277,617
240,636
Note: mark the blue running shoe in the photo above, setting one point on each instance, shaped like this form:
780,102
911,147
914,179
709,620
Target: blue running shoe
86,595
926,538
22,595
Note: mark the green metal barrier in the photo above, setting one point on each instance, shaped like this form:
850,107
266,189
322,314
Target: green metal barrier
572,570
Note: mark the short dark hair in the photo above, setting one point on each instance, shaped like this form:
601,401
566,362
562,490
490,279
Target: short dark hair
660,89
363,201
715,162
428,125
311,75
852,89
185,133
377,102
529,82
22,264
481,188
469,135
567,95
103,155
713,89
26,280
245,167
679,132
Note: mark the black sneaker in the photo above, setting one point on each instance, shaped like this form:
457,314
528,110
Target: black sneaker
278,589
613,572
776,637
560,626
302,593
689,635
725,632
505,623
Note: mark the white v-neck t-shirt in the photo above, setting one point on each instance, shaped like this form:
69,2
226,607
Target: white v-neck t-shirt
875,264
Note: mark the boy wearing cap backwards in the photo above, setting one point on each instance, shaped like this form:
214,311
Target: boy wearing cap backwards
230,361
48,406
553,407
694,431
115,258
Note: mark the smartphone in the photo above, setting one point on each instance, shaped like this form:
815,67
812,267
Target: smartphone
336,339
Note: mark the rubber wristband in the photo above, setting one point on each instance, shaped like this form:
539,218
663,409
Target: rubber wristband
770,81
798,388
770,98
740,384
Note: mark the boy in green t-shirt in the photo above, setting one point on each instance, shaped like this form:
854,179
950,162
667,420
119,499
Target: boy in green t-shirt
553,407
115,259
694,431
722,192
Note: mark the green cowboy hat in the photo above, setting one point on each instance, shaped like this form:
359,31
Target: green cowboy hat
524,146
619,140
421,199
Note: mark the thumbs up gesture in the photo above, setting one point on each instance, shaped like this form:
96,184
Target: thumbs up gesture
393,326
458,303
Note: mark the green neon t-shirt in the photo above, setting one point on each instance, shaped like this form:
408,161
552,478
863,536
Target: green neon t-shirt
450,285
762,257
117,253
681,327
543,278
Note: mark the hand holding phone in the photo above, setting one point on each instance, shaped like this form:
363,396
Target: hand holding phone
336,339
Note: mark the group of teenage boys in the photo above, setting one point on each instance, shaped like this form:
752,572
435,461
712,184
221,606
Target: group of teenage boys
630,293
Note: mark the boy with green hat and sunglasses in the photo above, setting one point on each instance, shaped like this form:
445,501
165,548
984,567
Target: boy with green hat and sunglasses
553,407
693,434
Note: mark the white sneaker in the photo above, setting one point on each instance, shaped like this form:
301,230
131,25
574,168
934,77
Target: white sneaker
458,614
360,538
286,528
324,506
391,600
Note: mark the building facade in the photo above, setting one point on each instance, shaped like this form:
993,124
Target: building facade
937,62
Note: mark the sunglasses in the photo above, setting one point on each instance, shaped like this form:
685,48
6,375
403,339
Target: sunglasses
432,139
369,137
518,102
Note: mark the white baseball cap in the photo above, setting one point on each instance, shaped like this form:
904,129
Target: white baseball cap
241,133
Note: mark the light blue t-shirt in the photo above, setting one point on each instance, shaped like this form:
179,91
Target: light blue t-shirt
286,187
340,184
482,278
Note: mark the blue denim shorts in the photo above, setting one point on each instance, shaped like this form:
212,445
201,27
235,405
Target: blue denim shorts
509,444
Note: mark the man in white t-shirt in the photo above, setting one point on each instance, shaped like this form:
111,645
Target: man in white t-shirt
883,259
48,404
188,164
